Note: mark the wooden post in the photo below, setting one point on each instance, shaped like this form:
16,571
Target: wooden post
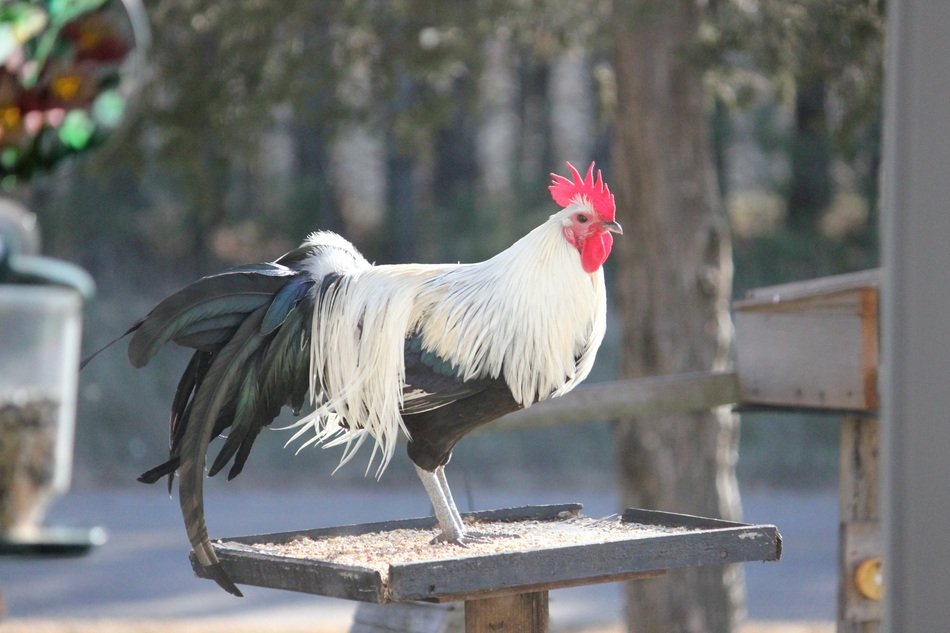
514,613
859,552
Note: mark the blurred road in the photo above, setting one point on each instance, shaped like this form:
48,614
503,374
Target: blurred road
143,571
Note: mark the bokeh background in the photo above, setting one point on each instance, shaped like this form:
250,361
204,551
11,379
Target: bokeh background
424,131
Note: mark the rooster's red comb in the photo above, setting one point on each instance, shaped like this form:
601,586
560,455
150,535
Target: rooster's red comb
597,194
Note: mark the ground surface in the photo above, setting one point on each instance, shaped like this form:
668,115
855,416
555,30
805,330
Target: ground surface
141,576
227,625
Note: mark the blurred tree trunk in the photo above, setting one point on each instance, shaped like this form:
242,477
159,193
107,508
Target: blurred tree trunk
358,159
426,220
811,187
673,295
496,140
571,95
205,186
358,174
275,165
535,142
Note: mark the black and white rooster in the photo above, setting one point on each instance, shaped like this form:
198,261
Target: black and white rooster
426,351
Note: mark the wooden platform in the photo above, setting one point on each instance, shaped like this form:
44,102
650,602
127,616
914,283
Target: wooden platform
555,547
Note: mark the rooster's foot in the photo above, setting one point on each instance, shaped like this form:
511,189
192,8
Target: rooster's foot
462,539
471,537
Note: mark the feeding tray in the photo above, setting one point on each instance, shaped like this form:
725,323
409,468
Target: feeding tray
527,549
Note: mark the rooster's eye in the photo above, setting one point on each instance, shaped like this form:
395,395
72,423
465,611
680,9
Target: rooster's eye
582,218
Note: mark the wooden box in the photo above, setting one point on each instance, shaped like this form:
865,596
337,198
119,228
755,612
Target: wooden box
812,344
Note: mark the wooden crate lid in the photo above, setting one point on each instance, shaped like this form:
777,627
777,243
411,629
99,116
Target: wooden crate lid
803,291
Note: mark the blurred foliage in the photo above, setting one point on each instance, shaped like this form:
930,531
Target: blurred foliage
790,43
822,64
223,73
784,256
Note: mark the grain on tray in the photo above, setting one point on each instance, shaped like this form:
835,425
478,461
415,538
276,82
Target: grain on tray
379,550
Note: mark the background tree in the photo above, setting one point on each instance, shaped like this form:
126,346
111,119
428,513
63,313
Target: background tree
673,298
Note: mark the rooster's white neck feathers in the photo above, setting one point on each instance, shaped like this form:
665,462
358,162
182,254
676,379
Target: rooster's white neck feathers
530,314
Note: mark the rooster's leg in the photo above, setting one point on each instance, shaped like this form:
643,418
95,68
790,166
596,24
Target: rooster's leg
445,512
444,485
468,536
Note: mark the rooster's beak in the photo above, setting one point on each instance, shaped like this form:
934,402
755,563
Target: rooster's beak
613,227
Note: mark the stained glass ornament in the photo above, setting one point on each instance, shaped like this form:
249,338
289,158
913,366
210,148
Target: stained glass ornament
67,71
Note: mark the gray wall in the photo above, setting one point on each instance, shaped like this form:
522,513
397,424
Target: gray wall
916,295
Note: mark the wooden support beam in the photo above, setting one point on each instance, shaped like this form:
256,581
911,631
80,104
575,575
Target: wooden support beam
860,546
516,613
654,396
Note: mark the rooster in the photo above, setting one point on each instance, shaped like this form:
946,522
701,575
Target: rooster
426,351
